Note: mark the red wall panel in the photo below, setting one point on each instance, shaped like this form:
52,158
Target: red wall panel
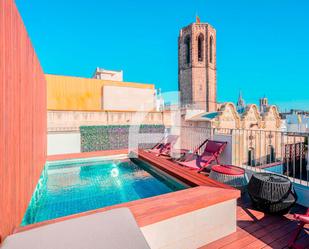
22,118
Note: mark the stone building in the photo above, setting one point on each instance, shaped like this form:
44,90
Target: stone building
103,74
197,79
227,117
254,133
197,85
296,121
253,138
263,104
240,106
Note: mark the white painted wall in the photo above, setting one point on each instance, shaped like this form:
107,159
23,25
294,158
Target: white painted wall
297,123
194,229
128,98
63,143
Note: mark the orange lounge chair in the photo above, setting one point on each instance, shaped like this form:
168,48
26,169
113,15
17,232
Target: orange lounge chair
212,151
163,148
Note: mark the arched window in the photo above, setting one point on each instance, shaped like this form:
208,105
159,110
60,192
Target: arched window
251,157
188,49
211,44
200,50
270,154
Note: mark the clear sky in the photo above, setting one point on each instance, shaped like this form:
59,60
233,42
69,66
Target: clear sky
262,45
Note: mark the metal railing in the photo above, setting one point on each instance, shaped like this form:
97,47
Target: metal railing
257,150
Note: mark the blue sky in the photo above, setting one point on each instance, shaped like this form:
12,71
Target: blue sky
262,46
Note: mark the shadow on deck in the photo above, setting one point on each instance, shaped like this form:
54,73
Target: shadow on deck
255,229
258,230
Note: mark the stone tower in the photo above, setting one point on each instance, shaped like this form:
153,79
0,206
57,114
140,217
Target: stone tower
197,77
263,104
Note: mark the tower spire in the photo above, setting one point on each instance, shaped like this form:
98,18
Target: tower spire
240,103
197,18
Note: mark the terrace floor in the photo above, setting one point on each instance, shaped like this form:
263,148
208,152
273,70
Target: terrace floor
254,228
258,230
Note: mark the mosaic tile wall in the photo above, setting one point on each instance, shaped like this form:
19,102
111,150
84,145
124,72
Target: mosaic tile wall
40,192
113,137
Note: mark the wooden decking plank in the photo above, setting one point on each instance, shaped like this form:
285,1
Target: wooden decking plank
267,234
242,242
271,237
302,240
182,172
240,233
283,231
163,164
259,231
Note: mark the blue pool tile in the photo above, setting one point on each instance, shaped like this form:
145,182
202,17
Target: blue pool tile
78,187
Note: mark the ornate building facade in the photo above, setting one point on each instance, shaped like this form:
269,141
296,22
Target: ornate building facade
254,138
227,117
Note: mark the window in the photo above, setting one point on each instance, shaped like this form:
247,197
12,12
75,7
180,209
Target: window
200,41
211,41
251,157
270,154
187,49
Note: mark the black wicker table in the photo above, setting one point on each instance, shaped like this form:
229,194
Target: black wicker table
271,193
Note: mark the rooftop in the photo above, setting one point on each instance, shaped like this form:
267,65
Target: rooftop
255,229
258,230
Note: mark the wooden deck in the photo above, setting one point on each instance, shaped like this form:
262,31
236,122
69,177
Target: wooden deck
254,228
258,230
188,176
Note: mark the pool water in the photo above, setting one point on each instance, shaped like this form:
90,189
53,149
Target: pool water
71,187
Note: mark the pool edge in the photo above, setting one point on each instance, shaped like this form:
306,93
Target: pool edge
149,210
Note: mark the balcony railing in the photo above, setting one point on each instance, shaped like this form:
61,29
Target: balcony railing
257,150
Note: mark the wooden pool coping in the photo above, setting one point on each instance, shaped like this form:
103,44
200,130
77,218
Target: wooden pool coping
204,192
86,155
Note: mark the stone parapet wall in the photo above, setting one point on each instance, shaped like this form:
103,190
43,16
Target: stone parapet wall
59,121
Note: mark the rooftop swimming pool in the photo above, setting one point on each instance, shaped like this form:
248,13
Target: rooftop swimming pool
75,186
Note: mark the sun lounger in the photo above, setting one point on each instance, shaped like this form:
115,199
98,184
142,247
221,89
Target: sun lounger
211,153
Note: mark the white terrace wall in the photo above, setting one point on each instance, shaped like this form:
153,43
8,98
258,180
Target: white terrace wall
63,143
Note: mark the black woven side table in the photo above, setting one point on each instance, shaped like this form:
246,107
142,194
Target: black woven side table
271,193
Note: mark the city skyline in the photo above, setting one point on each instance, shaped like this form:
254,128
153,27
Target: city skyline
141,39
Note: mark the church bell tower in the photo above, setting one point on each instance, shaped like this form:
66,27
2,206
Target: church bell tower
197,77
